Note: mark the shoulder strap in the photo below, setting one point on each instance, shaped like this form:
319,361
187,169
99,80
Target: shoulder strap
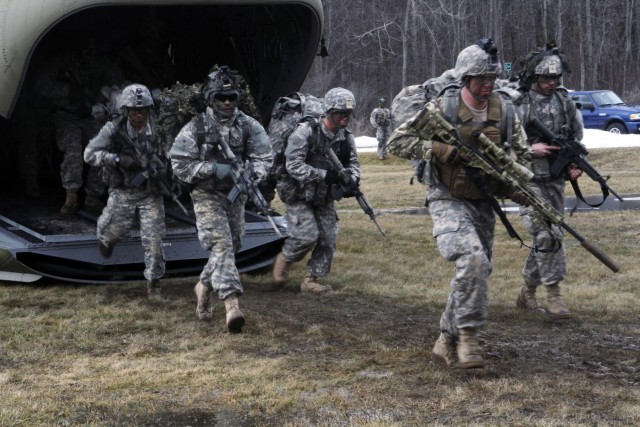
200,130
450,107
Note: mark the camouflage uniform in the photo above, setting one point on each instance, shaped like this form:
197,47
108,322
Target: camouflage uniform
126,200
220,223
312,221
381,120
463,219
546,264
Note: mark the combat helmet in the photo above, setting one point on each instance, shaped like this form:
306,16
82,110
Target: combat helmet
220,82
339,99
478,60
382,101
549,61
136,96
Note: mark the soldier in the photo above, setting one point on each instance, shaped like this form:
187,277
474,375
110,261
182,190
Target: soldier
308,190
460,197
545,99
132,159
381,120
197,160
72,81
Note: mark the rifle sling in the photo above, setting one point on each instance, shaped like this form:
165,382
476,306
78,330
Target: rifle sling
580,197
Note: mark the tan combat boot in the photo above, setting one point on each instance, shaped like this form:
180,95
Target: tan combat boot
310,285
70,204
93,205
154,291
235,318
527,300
468,350
444,351
280,270
204,308
557,310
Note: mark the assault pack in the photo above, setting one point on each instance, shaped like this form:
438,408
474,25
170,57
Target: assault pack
287,112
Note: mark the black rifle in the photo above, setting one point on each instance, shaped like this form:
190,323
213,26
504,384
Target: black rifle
349,186
571,151
245,183
152,171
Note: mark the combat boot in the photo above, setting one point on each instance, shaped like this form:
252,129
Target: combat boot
153,289
93,205
70,204
204,308
310,285
280,270
527,300
105,250
468,349
444,351
235,318
557,310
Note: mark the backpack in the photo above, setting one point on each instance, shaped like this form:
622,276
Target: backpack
287,112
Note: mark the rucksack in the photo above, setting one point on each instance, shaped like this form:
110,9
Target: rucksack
287,112
407,103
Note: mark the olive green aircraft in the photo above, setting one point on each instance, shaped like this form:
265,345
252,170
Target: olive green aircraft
271,43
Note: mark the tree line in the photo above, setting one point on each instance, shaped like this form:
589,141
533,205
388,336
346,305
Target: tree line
376,47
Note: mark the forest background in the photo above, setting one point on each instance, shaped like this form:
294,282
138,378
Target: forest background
376,47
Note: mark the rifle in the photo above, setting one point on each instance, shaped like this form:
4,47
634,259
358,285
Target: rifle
349,186
244,183
492,160
572,152
152,172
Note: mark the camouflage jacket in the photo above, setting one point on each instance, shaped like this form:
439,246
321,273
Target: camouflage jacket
190,154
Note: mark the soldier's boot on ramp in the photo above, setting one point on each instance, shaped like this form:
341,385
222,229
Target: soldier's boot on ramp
70,203
468,349
556,308
444,351
527,300
204,307
310,285
235,318
154,290
280,270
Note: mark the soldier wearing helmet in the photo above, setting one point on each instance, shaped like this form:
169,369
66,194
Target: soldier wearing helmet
310,189
459,196
544,98
133,161
198,161
381,120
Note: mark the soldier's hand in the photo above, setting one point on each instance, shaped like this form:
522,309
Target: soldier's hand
445,153
126,162
520,198
331,177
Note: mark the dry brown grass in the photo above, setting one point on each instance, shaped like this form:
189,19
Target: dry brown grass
105,356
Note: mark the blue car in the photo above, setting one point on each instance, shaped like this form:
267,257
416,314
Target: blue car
604,110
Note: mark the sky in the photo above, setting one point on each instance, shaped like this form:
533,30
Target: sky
592,139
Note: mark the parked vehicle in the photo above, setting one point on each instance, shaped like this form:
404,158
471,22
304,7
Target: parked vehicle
604,110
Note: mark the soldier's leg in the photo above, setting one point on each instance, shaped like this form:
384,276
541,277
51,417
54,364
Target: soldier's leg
117,218
302,229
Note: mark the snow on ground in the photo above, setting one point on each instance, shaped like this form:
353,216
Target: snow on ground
592,139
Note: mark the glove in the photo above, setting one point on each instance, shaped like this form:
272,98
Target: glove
126,162
221,171
520,198
445,153
331,177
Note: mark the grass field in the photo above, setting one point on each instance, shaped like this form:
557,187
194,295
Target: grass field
103,355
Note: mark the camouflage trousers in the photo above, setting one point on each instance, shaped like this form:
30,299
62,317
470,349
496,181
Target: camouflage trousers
464,231
72,134
118,218
311,228
548,264
382,135
220,228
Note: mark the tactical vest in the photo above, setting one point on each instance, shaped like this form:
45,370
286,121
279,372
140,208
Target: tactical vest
541,165
500,114
115,177
207,137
